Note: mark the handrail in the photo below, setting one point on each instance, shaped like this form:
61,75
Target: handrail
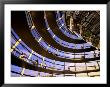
32,67
60,41
45,45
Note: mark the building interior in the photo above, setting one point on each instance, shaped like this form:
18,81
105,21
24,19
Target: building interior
55,43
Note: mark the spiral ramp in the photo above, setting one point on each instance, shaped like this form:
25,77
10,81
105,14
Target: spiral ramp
42,46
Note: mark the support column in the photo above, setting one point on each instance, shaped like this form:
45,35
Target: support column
85,62
71,23
81,30
64,68
75,63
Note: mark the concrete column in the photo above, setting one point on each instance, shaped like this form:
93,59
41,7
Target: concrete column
80,29
71,23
